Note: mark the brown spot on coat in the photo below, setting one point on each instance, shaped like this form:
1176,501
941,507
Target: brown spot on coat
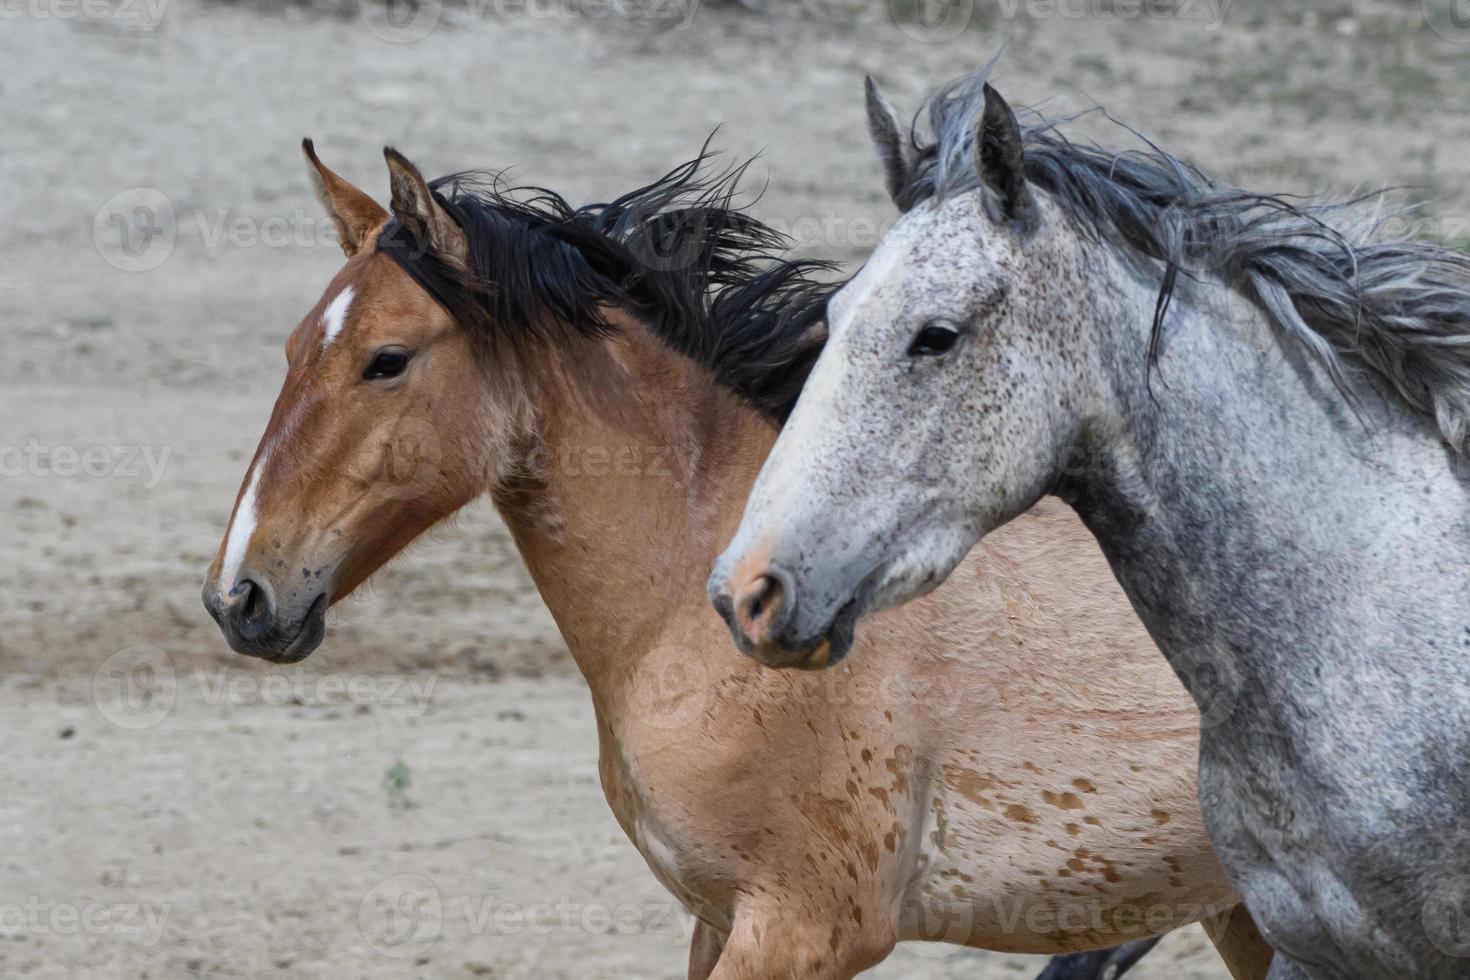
1063,801
1020,813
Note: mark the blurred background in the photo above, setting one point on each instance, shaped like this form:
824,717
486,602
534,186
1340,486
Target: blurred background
171,809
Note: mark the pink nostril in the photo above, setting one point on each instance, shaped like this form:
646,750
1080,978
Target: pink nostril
758,606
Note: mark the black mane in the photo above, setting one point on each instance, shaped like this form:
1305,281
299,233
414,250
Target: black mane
707,278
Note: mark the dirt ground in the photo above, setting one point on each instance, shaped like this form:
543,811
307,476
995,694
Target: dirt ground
420,798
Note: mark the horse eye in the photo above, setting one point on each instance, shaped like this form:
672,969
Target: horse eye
934,338
387,363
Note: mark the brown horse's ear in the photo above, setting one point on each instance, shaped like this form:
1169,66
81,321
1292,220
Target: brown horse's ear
887,136
353,212
1000,161
414,205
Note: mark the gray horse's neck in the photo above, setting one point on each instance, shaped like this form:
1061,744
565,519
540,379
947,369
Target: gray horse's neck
1304,569
1263,527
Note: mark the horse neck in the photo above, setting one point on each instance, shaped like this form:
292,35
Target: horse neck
1241,500
643,464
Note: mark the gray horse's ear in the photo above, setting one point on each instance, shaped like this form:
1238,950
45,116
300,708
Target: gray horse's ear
887,136
424,217
1000,160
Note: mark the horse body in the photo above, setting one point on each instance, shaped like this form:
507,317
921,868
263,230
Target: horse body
917,769
1298,555
1007,766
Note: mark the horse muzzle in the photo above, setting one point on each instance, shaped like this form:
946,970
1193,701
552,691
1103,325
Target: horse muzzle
763,616
256,623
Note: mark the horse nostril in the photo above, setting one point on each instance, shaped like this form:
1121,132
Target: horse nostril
256,610
759,606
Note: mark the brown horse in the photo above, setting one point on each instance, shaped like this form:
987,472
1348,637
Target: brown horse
614,377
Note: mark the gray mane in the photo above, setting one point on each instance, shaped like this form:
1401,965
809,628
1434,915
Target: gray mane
1320,270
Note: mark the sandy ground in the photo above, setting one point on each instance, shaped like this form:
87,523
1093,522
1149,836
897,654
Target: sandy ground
172,810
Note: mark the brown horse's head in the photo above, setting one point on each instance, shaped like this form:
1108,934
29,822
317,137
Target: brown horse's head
381,429
442,355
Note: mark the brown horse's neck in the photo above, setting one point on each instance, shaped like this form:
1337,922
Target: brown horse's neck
641,468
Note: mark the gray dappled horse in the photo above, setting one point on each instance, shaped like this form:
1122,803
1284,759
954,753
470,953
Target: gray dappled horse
1258,406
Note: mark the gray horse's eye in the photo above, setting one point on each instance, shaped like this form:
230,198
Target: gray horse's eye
933,339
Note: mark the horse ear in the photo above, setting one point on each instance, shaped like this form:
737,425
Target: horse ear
887,136
1000,161
414,205
353,212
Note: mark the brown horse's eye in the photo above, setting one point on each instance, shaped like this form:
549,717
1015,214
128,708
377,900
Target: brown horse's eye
934,338
386,363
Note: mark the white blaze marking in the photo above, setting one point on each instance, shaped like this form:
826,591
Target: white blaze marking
335,316
241,529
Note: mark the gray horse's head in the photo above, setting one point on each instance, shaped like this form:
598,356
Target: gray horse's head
942,405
